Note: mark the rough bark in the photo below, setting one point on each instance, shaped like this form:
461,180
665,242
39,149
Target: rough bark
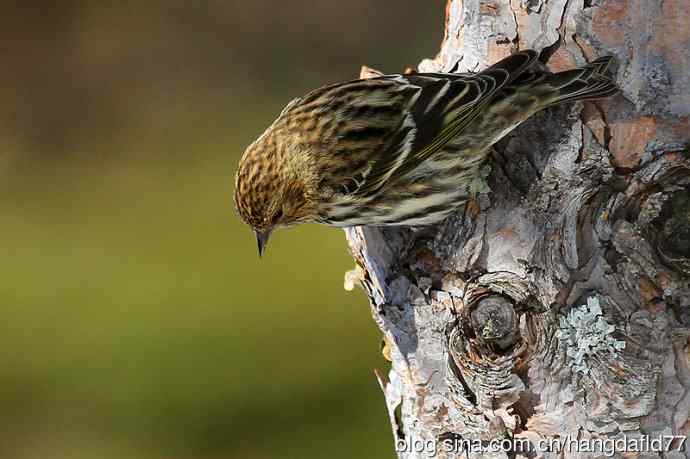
556,302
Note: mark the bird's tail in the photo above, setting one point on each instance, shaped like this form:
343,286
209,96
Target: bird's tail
588,82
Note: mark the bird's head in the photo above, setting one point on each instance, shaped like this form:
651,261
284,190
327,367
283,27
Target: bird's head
272,188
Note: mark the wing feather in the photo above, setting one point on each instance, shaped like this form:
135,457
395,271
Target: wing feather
441,109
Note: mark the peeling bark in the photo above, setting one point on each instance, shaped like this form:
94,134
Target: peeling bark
557,303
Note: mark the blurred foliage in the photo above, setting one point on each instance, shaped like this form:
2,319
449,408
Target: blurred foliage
138,321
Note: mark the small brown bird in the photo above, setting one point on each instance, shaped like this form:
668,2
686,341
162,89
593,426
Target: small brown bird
394,149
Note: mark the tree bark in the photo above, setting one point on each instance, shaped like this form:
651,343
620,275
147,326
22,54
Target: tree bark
556,303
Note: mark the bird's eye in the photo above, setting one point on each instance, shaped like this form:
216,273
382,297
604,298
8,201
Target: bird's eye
277,216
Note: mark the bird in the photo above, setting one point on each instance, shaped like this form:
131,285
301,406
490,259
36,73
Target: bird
398,149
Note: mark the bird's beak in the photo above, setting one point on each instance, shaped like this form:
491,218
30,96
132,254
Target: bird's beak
262,240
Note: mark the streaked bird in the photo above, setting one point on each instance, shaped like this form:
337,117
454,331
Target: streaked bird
395,149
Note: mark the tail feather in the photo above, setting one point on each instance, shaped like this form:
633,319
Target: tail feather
602,64
588,82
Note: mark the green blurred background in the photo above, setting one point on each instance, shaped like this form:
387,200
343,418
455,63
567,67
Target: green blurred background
137,320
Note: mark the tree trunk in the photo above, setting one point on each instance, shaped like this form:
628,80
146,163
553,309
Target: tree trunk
556,303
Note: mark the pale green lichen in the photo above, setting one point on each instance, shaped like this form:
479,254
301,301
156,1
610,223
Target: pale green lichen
585,332
480,182
353,278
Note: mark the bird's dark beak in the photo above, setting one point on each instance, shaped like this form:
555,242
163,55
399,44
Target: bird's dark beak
262,240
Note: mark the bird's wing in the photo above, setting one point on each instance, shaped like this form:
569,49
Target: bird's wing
438,106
